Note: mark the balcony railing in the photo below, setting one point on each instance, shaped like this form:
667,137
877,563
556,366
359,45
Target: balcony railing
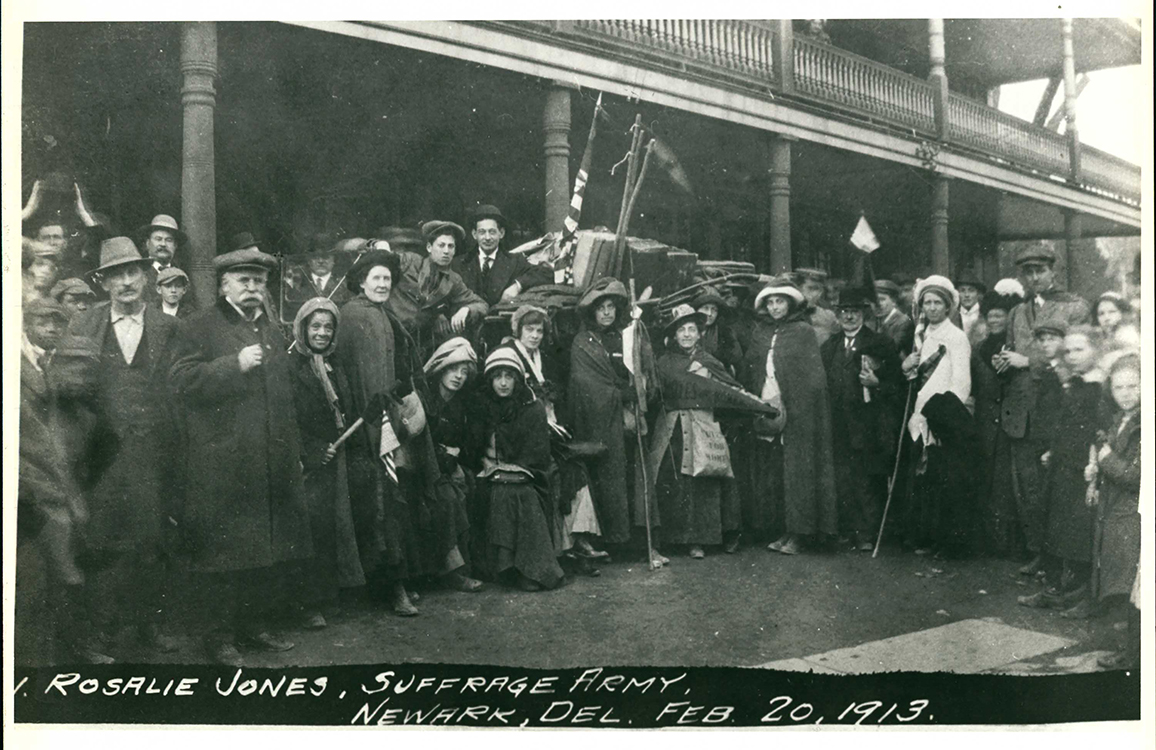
743,54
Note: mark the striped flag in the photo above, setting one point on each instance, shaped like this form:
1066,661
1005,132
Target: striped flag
564,260
389,444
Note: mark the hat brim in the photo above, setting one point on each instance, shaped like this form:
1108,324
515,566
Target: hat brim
782,291
675,324
143,233
143,262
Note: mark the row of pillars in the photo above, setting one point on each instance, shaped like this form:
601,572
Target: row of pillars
199,69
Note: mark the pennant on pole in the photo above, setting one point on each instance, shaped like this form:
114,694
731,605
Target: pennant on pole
863,238
389,444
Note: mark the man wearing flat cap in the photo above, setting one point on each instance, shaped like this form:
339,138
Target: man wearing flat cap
865,391
430,298
1023,366
129,504
74,295
491,272
245,516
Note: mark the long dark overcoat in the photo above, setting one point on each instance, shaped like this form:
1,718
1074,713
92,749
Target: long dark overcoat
133,497
1117,540
245,507
1070,524
808,492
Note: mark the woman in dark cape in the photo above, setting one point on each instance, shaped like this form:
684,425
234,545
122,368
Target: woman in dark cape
698,505
601,395
378,357
718,337
515,450
793,480
321,397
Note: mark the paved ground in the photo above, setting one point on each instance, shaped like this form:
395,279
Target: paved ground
747,609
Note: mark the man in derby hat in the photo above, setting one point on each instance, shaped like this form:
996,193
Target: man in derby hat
813,284
865,391
430,298
315,277
130,504
971,290
491,272
246,516
1023,365
893,318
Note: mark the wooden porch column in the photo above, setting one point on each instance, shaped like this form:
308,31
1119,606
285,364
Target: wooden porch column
940,260
780,194
1070,95
198,162
938,73
556,125
1073,232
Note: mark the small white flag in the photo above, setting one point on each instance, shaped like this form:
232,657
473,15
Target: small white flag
863,238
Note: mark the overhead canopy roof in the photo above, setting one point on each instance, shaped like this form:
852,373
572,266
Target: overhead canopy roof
983,53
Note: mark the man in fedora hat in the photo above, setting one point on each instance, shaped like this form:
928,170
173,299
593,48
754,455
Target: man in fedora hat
165,245
246,515
430,298
1023,365
865,391
315,277
129,504
491,272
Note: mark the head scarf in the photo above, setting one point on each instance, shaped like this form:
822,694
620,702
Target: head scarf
452,352
317,359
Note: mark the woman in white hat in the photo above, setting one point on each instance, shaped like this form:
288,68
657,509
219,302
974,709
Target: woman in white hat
513,491
940,365
792,484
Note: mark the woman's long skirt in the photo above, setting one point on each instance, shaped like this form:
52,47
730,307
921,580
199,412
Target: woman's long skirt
518,533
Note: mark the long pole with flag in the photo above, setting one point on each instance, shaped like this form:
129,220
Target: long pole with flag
564,263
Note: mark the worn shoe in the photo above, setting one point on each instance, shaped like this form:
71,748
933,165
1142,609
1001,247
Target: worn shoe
460,582
660,558
777,545
225,654
403,604
791,547
697,553
1032,567
314,621
733,545
865,546
1083,610
264,641
584,548
1043,599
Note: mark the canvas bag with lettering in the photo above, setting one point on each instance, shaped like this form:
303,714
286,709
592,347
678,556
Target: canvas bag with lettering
704,449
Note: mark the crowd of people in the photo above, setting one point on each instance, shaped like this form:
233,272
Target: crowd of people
389,441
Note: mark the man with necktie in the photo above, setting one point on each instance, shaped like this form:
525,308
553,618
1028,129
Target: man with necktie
1023,364
865,390
491,272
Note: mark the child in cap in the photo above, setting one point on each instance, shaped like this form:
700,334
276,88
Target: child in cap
172,286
